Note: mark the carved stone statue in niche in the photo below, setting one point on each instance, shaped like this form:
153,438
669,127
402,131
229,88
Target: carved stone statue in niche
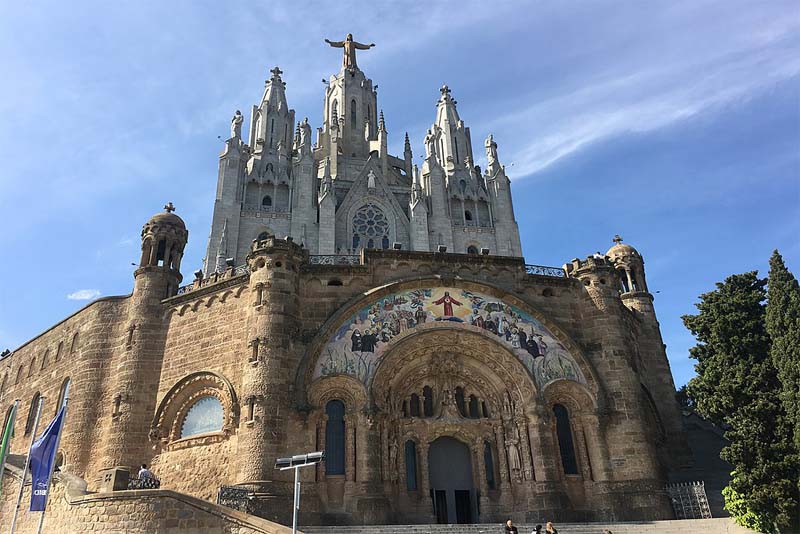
393,459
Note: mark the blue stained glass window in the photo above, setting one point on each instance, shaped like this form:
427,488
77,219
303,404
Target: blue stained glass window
204,416
411,466
334,438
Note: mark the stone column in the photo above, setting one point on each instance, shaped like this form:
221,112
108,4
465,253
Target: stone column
544,447
504,475
424,473
349,448
596,447
524,449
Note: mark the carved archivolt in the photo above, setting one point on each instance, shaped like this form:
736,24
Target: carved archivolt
344,388
168,420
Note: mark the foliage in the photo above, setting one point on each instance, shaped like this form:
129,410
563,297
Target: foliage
737,388
783,325
685,401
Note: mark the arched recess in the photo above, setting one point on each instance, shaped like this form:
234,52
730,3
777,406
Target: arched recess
446,358
168,420
322,352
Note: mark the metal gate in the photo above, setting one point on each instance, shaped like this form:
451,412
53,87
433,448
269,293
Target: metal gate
689,500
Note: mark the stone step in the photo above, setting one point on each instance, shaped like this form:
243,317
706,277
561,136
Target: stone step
706,526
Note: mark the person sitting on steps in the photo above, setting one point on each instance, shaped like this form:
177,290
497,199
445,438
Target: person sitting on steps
510,528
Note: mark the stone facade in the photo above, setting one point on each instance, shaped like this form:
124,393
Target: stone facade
546,390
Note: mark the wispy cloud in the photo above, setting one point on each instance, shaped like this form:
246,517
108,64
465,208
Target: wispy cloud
645,98
84,294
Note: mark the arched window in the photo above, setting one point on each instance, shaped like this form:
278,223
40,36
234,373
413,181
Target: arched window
411,466
334,438
32,413
472,249
19,376
427,401
204,416
263,235
63,394
44,359
353,113
565,443
473,407
74,345
59,349
623,278
31,367
485,409
488,462
3,383
467,215
414,405
266,201
462,409
334,109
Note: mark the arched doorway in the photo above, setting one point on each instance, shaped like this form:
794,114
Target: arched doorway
452,486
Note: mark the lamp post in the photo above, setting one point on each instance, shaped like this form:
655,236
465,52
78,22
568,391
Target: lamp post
296,462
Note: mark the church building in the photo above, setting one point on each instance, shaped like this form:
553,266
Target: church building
353,302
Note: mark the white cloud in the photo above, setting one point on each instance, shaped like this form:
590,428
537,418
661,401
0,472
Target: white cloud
84,294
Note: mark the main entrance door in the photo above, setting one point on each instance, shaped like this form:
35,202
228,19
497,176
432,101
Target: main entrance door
452,489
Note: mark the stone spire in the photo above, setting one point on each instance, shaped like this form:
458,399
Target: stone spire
407,155
272,121
454,143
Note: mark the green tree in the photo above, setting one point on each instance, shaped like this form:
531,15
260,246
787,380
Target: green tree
783,325
737,387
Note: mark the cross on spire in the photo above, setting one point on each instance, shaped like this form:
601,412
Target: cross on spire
169,207
445,90
617,239
276,72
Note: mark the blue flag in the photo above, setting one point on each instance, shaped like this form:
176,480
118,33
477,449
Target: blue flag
43,454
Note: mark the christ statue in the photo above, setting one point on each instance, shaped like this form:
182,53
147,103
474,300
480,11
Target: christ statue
350,46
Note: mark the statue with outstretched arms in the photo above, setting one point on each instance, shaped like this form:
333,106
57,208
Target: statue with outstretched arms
350,46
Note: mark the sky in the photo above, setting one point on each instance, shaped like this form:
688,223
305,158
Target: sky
674,124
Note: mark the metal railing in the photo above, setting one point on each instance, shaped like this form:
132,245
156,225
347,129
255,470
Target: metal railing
543,270
236,497
689,500
143,483
213,278
335,259
267,209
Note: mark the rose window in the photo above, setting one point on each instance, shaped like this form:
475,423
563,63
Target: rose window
370,228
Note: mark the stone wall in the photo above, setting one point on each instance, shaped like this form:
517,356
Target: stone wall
72,511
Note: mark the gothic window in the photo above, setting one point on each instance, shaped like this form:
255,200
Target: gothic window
266,201
473,407
467,215
462,185
32,413
414,405
411,466
204,416
623,278
485,409
334,438
427,401
271,129
455,144
32,366
462,409
488,462
19,375
63,394
353,113
370,226
334,109
472,249
565,443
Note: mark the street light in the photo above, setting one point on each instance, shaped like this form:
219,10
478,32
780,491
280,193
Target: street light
296,462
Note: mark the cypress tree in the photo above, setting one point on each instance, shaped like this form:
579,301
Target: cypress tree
737,388
783,325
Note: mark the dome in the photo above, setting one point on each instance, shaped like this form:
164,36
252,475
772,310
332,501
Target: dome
621,249
167,217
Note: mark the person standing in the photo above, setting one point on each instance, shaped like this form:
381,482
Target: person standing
510,528
550,529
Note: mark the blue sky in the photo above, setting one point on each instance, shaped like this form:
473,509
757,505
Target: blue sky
675,124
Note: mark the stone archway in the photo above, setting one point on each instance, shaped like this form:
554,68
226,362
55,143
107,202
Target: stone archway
452,488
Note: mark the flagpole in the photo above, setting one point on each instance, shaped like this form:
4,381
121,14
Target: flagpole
27,464
53,464
8,445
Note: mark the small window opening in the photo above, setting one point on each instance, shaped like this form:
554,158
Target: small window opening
266,201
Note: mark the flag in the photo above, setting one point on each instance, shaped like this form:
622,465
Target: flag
5,444
42,457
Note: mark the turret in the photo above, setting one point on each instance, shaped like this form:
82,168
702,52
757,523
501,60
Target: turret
499,187
630,268
137,369
327,213
418,232
351,104
267,366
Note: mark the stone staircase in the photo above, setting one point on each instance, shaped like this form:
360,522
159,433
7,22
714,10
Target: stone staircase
704,526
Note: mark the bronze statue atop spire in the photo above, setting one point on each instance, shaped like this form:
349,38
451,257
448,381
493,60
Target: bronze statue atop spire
350,46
